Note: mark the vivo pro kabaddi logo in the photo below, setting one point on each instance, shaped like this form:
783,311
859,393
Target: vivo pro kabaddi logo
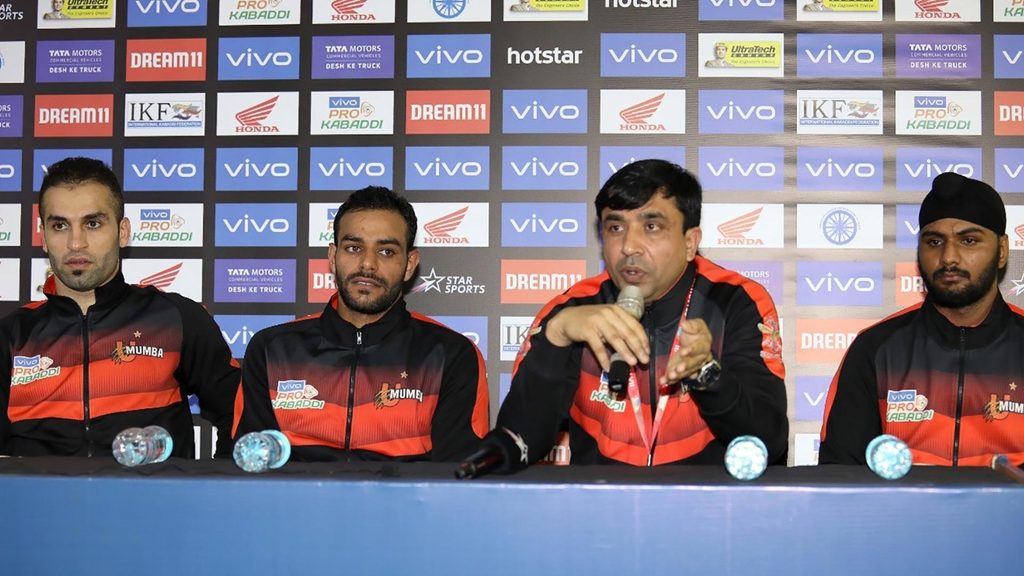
296,395
28,369
907,406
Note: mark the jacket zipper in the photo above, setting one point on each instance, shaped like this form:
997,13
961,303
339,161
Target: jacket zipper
85,384
352,391
959,396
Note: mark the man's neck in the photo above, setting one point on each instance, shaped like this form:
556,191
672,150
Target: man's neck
84,299
970,315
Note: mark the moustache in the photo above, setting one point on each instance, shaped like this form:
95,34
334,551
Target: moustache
366,276
957,271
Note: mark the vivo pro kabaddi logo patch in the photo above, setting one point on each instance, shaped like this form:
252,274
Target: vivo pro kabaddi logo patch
907,406
296,395
28,369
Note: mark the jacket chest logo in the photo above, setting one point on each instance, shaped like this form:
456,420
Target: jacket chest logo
999,409
28,369
296,395
123,353
907,406
390,395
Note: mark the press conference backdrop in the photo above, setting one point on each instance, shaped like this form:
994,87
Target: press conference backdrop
239,126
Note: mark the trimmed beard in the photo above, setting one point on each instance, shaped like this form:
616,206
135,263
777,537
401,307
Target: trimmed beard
970,294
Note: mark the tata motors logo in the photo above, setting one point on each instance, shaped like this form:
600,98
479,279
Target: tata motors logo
68,115
165,114
742,111
255,225
544,112
951,113
354,12
839,55
351,168
11,113
938,55
1009,113
654,55
163,169
544,168
447,168
258,58
537,281
448,112
452,224
742,168
353,57
547,224
846,226
839,169
166,59
169,225
742,225
917,167
343,112
733,10
614,158
257,169
643,111
75,61
839,111
254,281
449,56
259,12
257,113
157,13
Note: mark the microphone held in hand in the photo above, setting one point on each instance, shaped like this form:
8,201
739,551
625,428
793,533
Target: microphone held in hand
632,301
503,452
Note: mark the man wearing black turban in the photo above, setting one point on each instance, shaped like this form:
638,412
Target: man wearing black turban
947,375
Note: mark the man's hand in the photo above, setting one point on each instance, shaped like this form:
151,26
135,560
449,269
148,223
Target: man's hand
694,351
600,326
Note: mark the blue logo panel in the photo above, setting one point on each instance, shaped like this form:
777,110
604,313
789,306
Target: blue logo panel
163,170
447,168
742,111
917,167
350,168
614,158
544,112
255,225
10,170
650,55
544,167
546,224
839,55
449,56
839,169
741,168
257,169
263,58
43,158
238,330
166,13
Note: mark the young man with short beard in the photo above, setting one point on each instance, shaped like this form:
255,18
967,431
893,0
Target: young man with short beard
367,379
946,375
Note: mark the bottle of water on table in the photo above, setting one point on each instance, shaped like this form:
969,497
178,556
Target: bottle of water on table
262,451
138,446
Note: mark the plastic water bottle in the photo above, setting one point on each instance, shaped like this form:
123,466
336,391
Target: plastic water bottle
138,446
262,451
746,457
889,457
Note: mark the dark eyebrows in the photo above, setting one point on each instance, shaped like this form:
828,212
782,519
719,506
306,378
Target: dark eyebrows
381,242
87,217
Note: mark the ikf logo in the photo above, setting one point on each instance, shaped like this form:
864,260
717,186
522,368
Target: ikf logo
1009,55
838,283
917,167
825,340
907,225
741,168
1009,113
452,224
11,114
743,225
69,115
1009,169
255,225
259,12
254,281
839,169
165,114
614,158
41,158
474,328
81,61
169,225
447,168
163,170
10,224
547,224
352,113
849,226
643,111
648,55
238,330
939,113
350,168
262,58
321,223
257,169
839,111
512,332
938,55
742,111
449,56
159,13
353,57
354,12
257,113
537,281
544,167
544,112
731,10
839,55
12,62
166,60
448,112
909,285
811,392
444,12
10,170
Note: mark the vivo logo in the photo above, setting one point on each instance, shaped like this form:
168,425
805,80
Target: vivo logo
615,166
1014,171
929,101
247,168
731,111
247,224
438,167
901,395
636,55
535,167
930,169
252,58
240,336
343,102
535,224
167,7
156,169
155,214
831,283
830,168
7,171
734,168
341,168
536,111
1012,59
830,55
440,55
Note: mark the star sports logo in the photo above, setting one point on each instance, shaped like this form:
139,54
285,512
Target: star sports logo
162,279
251,118
451,284
734,231
439,230
637,115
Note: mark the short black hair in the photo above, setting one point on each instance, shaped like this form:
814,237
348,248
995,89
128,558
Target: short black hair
77,170
379,198
635,184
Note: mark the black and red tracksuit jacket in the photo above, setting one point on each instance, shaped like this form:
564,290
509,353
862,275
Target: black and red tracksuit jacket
72,381
401,388
955,395
551,383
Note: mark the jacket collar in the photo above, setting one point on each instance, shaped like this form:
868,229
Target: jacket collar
977,337
107,295
338,332
667,309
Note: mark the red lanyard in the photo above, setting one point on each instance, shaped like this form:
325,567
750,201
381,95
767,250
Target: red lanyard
633,391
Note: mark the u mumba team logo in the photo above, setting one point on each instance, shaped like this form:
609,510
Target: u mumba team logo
389,396
124,353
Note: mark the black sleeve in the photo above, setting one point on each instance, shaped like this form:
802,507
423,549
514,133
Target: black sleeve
750,395
207,369
5,391
254,411
461,417
852,418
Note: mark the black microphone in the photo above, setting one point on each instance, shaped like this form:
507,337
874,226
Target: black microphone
502,452
632,301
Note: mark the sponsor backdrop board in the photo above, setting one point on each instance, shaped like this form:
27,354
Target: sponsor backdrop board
238,127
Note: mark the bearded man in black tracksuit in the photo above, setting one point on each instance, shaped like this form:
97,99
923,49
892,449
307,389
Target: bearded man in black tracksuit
705,360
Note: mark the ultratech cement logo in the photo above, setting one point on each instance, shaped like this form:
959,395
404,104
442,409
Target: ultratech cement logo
166,60
907,406
28,369
451,284
296,395
125,353
74,115
389,397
